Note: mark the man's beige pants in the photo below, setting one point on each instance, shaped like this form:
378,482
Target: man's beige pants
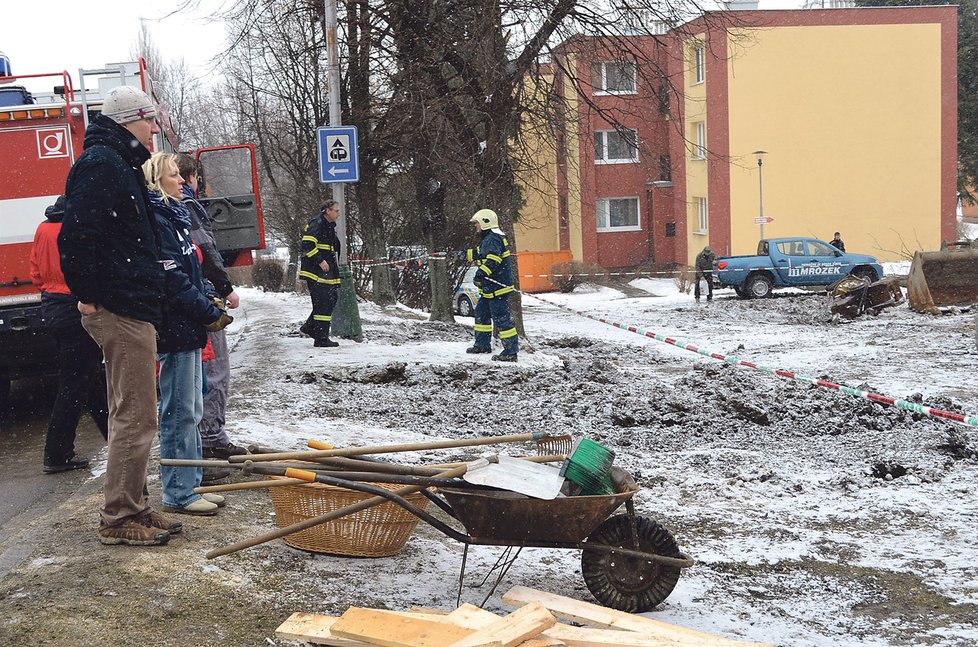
129,347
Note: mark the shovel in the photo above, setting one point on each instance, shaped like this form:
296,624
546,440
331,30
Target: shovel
536,480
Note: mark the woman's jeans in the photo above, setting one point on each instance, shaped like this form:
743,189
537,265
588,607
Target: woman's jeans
181,408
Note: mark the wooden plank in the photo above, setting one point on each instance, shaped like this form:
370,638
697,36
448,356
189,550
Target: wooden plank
604,617
590,637
428,611
523,624
313,628
395,630
472,617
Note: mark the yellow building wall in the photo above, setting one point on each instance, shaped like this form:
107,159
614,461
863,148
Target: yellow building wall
537,228
850,119
694,111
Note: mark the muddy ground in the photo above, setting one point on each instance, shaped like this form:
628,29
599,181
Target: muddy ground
816,518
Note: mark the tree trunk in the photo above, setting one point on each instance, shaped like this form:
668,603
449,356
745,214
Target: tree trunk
292,269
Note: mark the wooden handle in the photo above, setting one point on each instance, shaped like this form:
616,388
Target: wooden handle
385,449
250,485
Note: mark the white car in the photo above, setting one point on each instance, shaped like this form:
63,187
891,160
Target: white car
467,295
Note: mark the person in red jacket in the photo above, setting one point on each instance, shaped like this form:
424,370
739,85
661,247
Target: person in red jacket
81,382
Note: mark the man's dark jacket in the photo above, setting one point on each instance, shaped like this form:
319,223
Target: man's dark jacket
109,243
202,232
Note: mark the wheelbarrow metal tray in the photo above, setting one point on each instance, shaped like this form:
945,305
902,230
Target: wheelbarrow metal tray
504,515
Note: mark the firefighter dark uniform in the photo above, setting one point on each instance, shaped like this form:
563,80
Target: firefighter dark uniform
319,243
494,280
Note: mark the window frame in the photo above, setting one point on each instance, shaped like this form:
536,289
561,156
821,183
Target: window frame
699,63
612,229
604,91
699,145
702,217
604,147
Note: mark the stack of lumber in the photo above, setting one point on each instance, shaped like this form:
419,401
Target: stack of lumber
533,624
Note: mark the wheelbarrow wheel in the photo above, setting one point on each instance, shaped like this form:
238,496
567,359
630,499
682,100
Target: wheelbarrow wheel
629,583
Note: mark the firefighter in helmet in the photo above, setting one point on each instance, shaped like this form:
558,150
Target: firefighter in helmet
494,280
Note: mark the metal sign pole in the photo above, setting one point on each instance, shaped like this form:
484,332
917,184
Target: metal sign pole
346,317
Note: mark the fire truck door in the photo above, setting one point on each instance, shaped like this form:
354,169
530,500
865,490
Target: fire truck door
228,189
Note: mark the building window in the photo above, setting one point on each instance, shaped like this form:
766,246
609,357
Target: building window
615,147
699,63
670,230
618,214
613,77
665,168
703,217
699,141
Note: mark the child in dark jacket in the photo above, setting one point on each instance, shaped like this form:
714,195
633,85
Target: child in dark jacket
188,313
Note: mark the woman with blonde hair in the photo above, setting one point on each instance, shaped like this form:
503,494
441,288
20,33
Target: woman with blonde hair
188,314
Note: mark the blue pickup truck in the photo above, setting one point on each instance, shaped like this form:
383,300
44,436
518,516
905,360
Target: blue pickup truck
791,262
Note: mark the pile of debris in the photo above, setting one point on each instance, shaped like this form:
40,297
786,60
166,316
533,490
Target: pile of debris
533,624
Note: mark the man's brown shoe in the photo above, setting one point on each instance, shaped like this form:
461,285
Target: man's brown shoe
153,519
132,533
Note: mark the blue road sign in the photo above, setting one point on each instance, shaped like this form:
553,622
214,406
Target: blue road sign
338,159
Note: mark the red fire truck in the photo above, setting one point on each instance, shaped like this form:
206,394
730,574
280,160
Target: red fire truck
43,118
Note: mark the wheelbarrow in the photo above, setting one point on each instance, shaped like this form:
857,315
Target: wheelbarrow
629,562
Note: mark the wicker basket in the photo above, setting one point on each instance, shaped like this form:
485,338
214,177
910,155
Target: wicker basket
379,531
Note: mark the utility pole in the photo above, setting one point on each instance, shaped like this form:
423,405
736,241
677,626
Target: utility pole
760,190
346,318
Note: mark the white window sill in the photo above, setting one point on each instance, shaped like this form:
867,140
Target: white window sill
700,232
613,93
697,158
612,230
616,161
695,83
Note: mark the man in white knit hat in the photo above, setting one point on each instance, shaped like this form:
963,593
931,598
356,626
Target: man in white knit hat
110,256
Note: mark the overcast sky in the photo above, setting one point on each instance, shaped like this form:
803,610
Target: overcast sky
42,37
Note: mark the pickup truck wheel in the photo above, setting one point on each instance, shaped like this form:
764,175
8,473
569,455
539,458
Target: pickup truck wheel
742,293
867,273
758,286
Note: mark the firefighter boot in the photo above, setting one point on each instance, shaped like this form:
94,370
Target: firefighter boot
308,329
511,346
477,350
325,341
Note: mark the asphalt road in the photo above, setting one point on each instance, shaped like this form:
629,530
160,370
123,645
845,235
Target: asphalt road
27,493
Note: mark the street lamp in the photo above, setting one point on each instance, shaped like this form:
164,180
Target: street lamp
760,190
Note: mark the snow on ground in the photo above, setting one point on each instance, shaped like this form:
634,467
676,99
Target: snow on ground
816,518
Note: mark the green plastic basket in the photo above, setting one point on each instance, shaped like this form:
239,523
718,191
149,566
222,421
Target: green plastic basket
589,466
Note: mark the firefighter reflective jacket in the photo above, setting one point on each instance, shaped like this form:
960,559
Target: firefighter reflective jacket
319,243
494,276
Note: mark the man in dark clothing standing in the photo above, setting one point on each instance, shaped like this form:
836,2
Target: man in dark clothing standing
110,255
704,269
320,249
837,242
81,383
494,278
214,439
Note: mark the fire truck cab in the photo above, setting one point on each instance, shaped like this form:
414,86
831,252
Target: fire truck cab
43,118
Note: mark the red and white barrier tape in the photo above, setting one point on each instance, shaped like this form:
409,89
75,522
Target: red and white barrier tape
848,390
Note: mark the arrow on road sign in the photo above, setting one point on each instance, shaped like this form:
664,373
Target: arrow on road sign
336,171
